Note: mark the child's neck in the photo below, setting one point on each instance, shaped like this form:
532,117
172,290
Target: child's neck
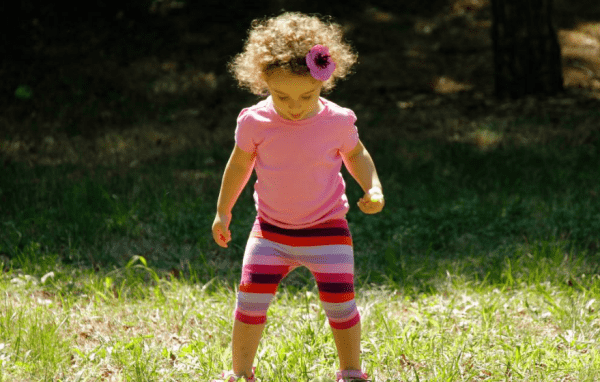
319,109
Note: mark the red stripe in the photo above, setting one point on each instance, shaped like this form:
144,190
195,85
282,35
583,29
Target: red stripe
303,241
252,320
266,269
259,288
305,237
336,298
346,324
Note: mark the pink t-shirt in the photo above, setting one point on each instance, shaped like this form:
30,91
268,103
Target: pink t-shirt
298,163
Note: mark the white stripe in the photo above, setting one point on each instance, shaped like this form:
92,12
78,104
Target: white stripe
280,254
340,311
263,298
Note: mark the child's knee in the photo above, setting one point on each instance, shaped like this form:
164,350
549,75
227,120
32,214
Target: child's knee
342,315
251,307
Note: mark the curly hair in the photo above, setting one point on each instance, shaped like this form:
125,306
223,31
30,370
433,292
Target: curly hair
283,42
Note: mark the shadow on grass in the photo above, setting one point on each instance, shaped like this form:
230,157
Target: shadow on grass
451,209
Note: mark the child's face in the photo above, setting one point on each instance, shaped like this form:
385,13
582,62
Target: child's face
294,97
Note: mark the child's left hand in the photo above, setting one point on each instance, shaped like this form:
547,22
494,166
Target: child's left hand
372,202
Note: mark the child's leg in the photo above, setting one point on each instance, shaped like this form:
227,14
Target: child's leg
264,266
326,250
330,258
337,297
347,342
244,343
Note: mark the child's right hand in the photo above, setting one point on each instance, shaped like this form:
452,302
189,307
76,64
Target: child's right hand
220,229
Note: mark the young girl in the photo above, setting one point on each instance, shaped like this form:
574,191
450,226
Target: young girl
296,141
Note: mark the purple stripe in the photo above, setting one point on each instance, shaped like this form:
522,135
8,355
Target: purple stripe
247,297
334,277
329,258
262,278
267,269
335,287
341,311
253,307
347,324
306,232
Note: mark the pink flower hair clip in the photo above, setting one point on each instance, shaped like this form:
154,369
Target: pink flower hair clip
319,63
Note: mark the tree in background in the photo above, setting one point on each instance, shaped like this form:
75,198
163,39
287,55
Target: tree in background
527,58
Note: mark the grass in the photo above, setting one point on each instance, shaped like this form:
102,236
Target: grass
131,325
484,266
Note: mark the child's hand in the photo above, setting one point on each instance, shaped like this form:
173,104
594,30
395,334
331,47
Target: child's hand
220,229
372,202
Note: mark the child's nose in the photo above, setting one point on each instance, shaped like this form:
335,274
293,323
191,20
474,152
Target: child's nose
294,104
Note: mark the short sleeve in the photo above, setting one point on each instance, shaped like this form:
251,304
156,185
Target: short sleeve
349,133
244,131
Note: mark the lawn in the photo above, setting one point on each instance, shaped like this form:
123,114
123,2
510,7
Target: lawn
484,265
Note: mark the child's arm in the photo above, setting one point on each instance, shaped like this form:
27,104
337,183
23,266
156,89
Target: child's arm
236,175
360,165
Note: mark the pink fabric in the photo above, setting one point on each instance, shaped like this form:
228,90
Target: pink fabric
231,377
298,163
349,375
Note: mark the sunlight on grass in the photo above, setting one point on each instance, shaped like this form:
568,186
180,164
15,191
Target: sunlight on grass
133,324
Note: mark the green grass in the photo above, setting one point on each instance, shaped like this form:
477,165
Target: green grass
484,266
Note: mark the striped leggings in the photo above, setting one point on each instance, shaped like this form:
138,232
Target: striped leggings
273,252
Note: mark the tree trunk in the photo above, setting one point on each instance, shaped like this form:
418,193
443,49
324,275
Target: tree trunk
527,57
